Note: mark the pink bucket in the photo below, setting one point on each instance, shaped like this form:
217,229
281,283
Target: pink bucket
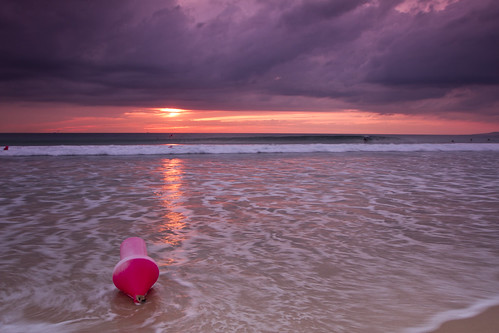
135,273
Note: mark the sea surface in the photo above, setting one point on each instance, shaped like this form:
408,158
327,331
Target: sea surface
252,233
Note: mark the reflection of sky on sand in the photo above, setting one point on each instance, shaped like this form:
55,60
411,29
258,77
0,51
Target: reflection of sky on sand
172,197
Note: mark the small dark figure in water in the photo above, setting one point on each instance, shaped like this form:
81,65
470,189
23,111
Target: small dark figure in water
367,139
452,141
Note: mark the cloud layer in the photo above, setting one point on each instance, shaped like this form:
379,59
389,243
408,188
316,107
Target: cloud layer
386,56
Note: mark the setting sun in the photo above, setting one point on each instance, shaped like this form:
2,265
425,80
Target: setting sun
171,112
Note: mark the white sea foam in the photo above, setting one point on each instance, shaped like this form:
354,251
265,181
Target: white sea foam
181,149
23,327
440,318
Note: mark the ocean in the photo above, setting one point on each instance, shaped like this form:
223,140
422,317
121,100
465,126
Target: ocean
251,232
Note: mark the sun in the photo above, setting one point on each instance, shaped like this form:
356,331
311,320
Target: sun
171,112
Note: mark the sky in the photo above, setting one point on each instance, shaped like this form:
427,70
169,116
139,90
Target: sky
280,66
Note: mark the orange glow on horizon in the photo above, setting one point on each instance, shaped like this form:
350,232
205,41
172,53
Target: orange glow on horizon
176,120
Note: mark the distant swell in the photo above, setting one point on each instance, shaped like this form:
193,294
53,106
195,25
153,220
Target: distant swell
180,149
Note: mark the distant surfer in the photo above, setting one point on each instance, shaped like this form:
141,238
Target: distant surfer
367,139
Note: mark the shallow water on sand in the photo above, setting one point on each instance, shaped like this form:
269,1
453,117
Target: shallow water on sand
348,242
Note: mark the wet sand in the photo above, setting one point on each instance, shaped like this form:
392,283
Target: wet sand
346,243
485,322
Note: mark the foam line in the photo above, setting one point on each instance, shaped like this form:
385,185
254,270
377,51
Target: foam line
71,150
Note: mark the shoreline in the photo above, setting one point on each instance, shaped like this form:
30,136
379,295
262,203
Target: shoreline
486,321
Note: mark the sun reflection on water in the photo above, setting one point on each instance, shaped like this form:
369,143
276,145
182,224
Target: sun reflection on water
172,197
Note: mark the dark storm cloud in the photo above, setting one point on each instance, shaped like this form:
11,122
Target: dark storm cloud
241,54
80,51
458,46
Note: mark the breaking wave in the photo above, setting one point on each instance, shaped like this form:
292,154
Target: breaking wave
182,149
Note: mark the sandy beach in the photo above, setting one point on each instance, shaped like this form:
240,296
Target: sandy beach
485,322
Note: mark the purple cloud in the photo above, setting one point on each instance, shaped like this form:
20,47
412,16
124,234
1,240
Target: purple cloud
233,55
